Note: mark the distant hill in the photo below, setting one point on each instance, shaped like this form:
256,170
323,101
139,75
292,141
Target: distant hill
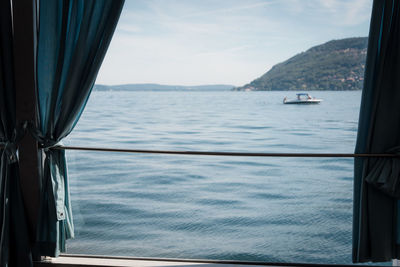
335,65
160,87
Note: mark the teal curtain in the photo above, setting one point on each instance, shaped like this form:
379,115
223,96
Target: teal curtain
73,39
376,180
15,247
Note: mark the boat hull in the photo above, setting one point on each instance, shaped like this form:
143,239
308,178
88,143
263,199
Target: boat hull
303,102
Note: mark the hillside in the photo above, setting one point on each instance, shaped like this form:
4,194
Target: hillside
335,65
160,87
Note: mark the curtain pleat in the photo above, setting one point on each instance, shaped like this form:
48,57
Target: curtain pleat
376,180
72,42
15,246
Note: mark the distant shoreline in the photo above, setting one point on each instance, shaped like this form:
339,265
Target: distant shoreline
162,87
197,88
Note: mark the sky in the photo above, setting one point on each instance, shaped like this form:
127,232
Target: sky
196,42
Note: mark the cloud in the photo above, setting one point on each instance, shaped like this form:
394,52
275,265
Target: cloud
343,12
230,9
211,41
358,11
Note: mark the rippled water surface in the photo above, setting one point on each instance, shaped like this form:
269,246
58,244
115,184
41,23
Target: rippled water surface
233,208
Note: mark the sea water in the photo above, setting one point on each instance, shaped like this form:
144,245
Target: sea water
210,207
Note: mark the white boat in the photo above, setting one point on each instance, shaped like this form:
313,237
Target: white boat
302,98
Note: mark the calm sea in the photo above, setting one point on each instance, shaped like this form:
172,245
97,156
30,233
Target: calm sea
209,207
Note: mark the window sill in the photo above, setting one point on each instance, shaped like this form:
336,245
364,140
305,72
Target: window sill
70,260
102,261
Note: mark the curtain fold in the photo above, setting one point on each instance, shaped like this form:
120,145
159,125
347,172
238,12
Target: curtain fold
376,181
15,246
72,42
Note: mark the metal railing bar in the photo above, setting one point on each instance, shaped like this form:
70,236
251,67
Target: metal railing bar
231,154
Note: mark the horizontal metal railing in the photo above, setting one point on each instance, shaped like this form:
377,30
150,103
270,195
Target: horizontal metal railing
230,154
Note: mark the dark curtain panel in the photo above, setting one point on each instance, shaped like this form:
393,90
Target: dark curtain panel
14,243
73,39
376,181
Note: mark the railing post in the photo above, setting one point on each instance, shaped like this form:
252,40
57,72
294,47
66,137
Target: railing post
24,25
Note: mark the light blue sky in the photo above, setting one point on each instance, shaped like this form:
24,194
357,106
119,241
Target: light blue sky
192,42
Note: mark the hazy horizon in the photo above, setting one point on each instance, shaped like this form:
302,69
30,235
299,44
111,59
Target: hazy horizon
192,42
